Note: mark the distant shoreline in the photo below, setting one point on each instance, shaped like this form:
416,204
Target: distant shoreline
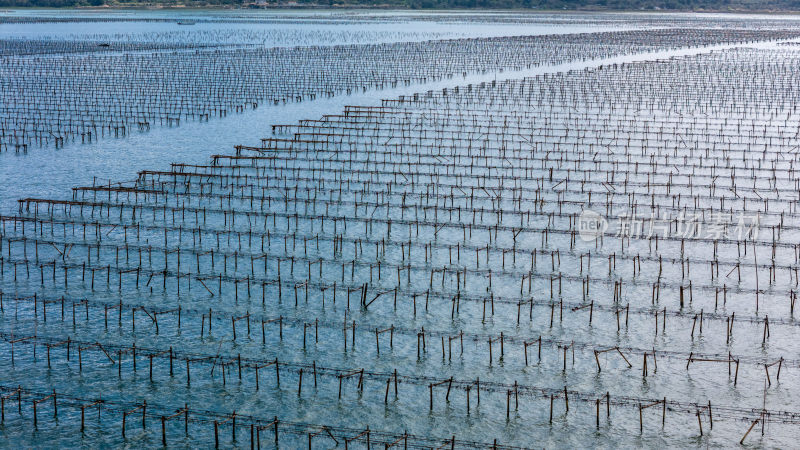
309,7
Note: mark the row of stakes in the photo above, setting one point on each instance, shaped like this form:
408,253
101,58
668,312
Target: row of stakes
57,109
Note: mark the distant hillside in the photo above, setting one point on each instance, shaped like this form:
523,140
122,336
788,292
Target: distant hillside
634,5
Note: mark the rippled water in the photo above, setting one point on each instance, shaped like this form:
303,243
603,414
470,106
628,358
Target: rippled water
193,142
50,173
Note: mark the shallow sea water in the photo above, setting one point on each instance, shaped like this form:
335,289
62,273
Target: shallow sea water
51,173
